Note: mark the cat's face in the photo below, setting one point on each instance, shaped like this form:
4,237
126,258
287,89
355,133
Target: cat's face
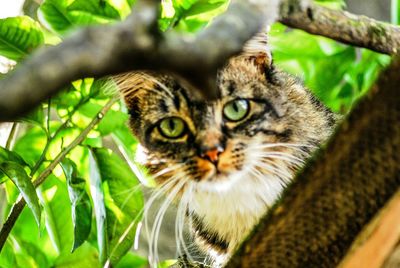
225,161
255,126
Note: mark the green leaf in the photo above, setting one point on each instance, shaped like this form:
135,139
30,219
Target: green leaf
395,11
192,15
167,263
113,120
204,7
30,145
123,200
7,155
18,175
86,256
81,207
35,117
62,16
127,145
54,196
19,36
96,191
35,253
7,255
89,11
53,14
131,260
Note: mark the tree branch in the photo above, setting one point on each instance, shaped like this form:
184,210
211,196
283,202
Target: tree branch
341,26
20,204
134,44
338,192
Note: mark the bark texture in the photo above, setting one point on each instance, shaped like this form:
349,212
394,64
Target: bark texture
342,26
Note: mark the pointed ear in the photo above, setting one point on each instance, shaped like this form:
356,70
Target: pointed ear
133,85
257,50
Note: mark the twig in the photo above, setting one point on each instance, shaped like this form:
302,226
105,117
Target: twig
11,136
342,26
20,204
134,44
51,137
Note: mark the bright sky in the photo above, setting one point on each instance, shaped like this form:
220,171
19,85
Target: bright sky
10,8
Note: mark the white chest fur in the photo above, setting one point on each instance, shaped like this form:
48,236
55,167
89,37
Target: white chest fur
233,207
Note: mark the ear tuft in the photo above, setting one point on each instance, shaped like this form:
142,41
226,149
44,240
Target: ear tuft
131,84
257,50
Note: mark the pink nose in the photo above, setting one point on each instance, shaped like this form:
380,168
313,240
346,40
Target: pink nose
213,154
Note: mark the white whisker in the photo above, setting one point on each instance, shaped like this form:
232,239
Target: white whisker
159,218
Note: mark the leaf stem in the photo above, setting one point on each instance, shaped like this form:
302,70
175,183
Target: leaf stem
20,204
51,137
12,135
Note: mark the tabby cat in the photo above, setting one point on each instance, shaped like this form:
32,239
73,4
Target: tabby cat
224,162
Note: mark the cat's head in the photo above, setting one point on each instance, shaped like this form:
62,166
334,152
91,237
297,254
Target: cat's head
262,120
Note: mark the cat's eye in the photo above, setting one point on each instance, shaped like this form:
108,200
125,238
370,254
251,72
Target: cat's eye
172,127
236,110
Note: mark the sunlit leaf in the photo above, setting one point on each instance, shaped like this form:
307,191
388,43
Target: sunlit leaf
123,200
7,255
62,16
53,14
127,145
7,155
113,120
192,15
81,208
86,256
94,8
96,191
18,175
34,252
166,263
131,260
19,36
395,11
30,145
54,196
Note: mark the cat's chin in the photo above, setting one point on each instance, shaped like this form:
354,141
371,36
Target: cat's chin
220,182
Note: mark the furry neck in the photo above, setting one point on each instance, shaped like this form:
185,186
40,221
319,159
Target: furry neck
224,214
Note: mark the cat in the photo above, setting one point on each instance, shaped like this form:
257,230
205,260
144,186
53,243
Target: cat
225,162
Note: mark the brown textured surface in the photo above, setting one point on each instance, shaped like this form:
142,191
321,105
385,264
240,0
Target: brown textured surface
377,241
335,196
342,26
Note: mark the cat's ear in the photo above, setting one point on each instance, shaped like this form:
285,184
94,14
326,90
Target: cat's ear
257,50
133,86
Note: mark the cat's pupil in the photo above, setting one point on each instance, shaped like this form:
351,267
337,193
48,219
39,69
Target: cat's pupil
171,124
235,107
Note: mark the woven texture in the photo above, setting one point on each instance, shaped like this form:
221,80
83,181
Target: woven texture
338,192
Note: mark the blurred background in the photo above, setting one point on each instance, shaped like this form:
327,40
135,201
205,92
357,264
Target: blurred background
378,9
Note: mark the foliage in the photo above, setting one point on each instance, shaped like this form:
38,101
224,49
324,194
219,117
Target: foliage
88,208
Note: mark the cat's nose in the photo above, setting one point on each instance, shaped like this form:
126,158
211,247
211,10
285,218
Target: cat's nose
211,154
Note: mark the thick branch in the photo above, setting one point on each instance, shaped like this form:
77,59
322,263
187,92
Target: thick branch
131,45
338,192
342,26
20,204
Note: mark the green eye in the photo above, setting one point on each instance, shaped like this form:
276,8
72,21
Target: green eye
172,127
236,110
